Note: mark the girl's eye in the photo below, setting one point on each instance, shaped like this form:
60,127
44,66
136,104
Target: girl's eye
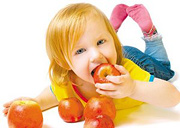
100,42
80,51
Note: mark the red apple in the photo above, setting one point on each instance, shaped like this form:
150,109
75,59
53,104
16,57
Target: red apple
104,70
25,114
100,105
100,121
70,109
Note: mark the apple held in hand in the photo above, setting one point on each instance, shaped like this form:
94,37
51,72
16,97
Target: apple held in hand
100,121
70,109
100,105
25,114
104,70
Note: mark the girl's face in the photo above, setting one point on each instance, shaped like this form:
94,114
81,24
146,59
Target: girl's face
96,46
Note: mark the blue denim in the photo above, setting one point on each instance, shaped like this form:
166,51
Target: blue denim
153,60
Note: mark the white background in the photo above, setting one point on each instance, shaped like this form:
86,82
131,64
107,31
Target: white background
24,62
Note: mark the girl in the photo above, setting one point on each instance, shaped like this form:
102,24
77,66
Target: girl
79,38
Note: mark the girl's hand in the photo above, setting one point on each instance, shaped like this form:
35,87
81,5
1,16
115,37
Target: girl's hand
120,86
8,104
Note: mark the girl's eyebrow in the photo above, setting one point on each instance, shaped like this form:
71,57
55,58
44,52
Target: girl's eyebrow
77,46
100,35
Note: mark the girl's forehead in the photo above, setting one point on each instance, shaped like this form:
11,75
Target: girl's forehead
93,24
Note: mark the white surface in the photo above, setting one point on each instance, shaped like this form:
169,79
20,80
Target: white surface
24,63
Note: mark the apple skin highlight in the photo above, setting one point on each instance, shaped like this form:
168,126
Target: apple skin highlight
100,105
104,70
70,109
25,114
100,121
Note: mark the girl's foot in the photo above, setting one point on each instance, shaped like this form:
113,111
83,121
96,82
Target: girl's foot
142,17
118,15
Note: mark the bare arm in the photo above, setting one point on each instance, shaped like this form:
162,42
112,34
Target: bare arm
159,92
46,99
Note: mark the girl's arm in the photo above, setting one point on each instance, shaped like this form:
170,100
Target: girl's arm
45,99
159,92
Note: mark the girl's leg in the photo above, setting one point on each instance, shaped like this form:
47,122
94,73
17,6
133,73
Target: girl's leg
160,69
142,17
118,15
154,47
154,44
154,59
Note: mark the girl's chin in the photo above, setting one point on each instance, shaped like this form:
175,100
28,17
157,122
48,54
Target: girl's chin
91,81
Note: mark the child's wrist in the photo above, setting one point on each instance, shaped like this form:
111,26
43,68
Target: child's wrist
37,100
133,88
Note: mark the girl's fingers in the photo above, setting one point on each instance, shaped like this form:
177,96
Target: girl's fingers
103,92
8,104
116,79
20,98
5,111
105,86
121,69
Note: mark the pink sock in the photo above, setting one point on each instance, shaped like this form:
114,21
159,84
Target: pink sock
142,17
118,15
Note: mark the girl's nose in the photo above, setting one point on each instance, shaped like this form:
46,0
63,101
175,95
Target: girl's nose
96,57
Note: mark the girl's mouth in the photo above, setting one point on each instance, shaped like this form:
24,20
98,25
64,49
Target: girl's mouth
92,73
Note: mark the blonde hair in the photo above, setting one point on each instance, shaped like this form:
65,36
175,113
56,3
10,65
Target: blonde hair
64,31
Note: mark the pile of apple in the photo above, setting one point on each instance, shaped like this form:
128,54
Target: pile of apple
99,112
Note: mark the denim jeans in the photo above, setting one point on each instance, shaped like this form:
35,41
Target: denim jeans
153,60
